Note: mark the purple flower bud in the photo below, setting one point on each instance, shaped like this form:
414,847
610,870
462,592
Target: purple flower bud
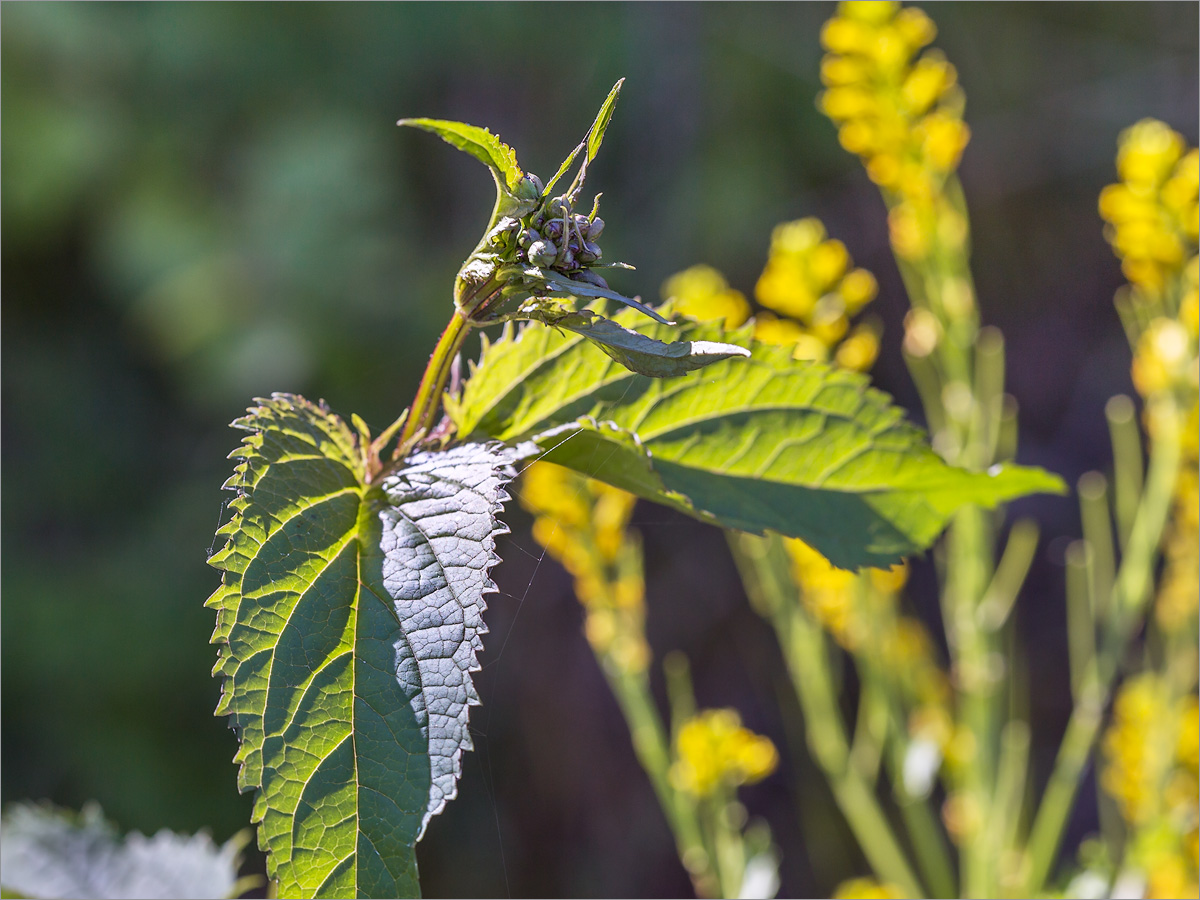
542,253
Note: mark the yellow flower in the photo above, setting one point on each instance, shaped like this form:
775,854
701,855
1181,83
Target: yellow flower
866,889
859,351
899,111
713,749
1152,213
701,292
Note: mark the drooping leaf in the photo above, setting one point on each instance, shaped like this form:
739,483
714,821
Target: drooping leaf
480,143
767,442
633,350
49,853
348,621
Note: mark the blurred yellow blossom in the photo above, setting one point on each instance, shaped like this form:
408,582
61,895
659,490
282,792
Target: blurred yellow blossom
1152,212
701,292
900,110
866,889
713,749
584,525
810,289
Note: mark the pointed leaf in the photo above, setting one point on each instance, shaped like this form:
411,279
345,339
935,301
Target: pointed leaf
596,134
633,350
348,621
594,138
480,143
762,443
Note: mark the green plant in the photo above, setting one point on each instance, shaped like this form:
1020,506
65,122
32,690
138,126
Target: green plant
951,742
350,611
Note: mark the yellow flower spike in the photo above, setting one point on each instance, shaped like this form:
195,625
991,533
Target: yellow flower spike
702,293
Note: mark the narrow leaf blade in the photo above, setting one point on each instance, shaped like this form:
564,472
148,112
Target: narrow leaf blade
479,142
595,135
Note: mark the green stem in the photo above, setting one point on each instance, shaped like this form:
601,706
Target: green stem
650,745
764,568
1131,590
429,393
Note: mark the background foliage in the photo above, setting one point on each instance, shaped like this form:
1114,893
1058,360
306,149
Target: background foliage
203,203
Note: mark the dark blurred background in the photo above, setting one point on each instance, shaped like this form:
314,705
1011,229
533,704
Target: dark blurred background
205,202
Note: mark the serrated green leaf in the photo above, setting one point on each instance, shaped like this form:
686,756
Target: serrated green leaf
480,143
753,444
633,350
348,621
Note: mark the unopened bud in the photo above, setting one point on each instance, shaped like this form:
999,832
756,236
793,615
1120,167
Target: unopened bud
595,228
590,252
542,253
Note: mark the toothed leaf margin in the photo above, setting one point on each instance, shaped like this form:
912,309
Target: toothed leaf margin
349,620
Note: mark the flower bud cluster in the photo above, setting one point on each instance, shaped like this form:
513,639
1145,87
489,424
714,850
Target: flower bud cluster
714,749
810,289
900,111
584,525
553,236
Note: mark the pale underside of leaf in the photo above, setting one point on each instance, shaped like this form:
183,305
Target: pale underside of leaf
349,619
634,350
753,444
